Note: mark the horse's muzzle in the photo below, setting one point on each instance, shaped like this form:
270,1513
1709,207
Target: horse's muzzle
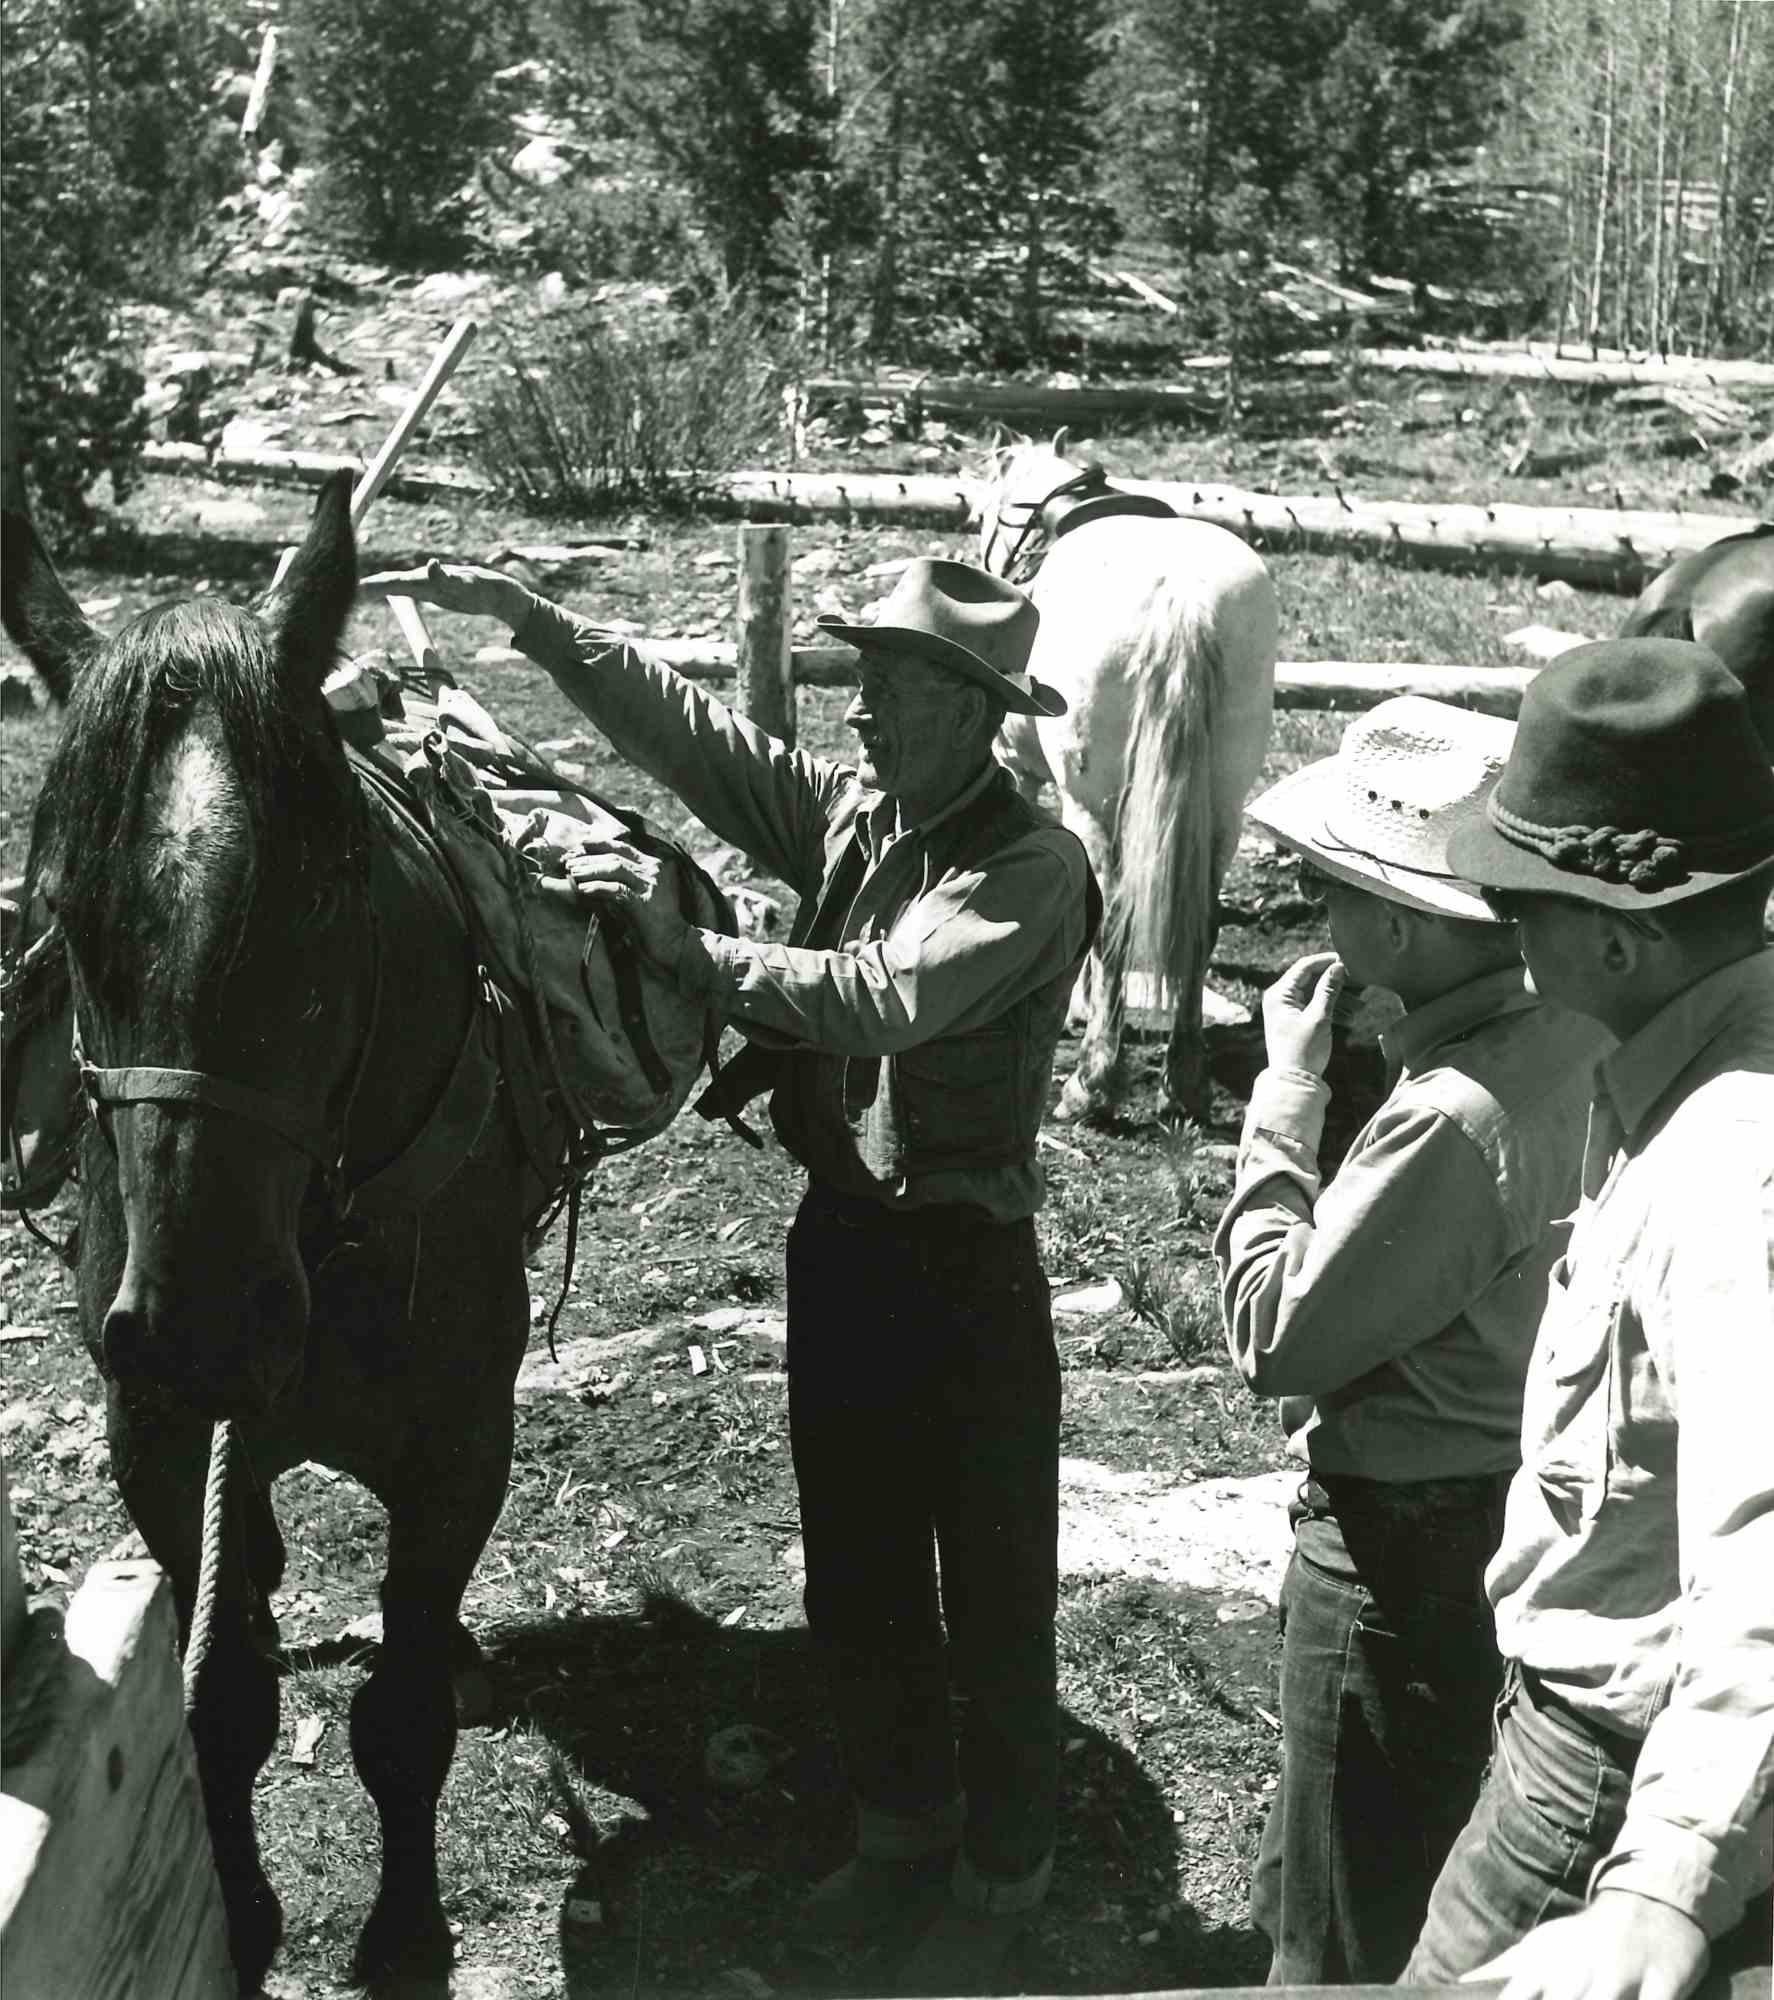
232,1350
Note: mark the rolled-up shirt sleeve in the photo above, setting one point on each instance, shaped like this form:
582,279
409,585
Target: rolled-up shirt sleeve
1319,1288
969,947
744,785
1699,1828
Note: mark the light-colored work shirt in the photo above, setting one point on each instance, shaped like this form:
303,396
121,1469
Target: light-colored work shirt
1392,1312
1636,1571
923,954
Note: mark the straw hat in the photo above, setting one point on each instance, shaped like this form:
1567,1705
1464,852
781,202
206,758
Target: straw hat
1407,775
959,616
1636,779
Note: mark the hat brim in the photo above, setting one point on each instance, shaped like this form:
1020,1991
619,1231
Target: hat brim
1294,811
1486,857
1039,699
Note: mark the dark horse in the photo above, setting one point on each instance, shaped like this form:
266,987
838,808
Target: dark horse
1722,595
303,1198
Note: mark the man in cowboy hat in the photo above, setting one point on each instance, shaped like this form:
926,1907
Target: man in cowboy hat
911,1020
1626,1819
1391,1312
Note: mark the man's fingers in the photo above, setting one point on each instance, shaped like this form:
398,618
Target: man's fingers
1309,979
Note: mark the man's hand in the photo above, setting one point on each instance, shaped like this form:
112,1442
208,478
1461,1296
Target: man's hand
613,875
466,587
1622,1946
1297,1012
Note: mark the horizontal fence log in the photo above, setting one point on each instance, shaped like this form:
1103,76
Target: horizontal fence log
310,468
1302,684
1599,548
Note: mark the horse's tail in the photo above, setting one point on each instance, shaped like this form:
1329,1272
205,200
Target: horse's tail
1161,909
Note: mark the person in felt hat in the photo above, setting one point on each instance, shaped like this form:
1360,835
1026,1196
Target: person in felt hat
1626,1821
1391,1313
908,1027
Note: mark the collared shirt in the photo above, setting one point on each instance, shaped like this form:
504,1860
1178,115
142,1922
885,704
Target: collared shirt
1636,1572
1393,1313
922,954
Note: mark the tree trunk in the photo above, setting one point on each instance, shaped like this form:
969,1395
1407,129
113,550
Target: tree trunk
1604,184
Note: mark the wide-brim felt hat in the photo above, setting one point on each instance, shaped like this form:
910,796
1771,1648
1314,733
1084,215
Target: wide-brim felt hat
1380,814
1637,779
956,615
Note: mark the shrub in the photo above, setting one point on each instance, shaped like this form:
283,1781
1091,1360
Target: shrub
584,419
398,103
109,157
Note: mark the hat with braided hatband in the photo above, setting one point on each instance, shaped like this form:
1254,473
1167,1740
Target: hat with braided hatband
1636,779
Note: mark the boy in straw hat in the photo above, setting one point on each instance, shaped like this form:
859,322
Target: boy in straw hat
1391,1312
911,1020
1626,1820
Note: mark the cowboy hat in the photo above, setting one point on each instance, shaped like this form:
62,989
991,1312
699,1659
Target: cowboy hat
1636,779
1380,813
955,615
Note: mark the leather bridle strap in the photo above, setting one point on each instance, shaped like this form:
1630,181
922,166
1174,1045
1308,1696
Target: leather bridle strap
143,1084
1076,484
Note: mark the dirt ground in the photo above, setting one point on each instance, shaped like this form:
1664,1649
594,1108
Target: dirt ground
641,1595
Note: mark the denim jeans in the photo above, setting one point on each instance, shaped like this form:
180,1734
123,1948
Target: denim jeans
924,1420
1551,1808
1389,1675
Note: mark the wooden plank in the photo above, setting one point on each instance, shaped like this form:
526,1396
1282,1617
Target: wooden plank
107,1885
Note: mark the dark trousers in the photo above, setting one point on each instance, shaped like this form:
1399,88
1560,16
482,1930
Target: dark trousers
1552,1807
1389,1677
924,1418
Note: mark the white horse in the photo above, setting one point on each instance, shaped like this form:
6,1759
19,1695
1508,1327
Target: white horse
1161,635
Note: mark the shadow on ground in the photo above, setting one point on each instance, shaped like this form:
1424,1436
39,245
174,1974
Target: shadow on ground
630,1703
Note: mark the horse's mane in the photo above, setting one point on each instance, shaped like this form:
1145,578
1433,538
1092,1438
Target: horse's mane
292,787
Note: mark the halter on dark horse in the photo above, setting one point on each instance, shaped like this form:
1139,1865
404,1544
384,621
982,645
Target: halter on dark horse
303,1203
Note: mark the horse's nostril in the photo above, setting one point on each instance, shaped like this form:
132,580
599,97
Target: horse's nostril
125,1330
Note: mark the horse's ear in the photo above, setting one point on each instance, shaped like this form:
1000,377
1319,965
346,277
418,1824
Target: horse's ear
45,623
307,612
1060,438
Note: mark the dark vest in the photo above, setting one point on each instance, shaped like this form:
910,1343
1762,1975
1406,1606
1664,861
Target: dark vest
967,1101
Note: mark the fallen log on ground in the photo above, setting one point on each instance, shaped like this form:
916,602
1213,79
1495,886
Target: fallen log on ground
1542,365
1041,402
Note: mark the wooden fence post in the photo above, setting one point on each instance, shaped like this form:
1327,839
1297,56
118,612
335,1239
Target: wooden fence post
107,1884
765,615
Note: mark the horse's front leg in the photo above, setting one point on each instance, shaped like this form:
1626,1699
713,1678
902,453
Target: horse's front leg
160,1459
403,1718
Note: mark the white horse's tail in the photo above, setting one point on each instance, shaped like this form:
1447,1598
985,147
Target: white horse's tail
1161,908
